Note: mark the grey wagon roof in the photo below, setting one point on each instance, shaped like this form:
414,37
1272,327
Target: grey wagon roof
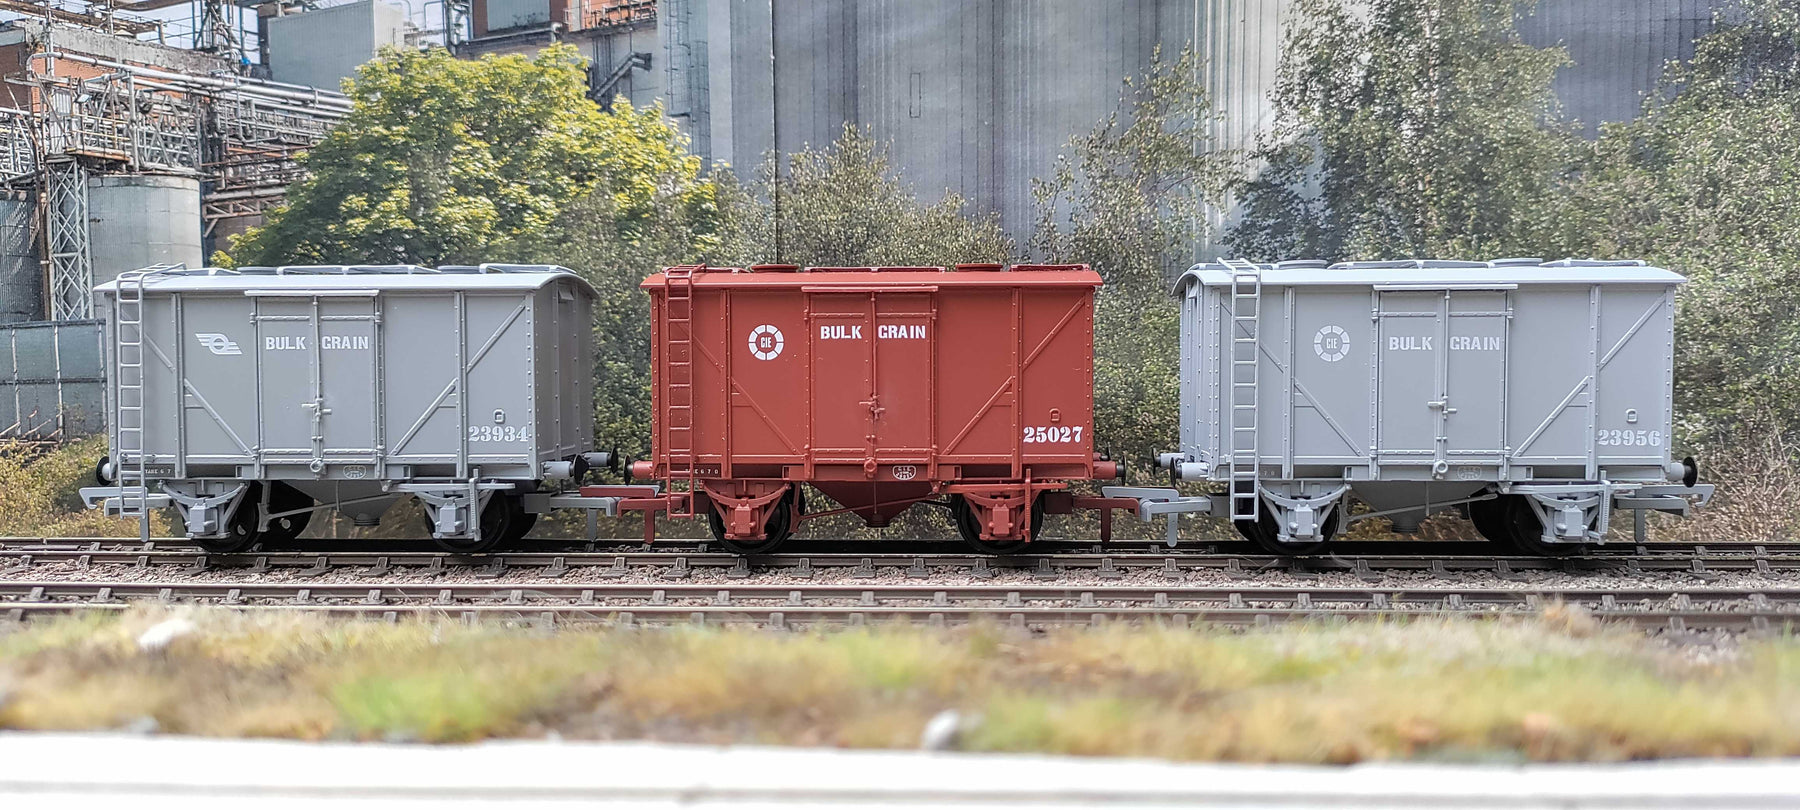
496,277
1440,272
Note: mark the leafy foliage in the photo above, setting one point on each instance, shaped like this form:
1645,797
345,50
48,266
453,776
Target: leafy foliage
1407,128
40,494
844,205
1130,198
615,254
1708,183
447,161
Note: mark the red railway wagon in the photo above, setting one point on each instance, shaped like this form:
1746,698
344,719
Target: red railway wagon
881,387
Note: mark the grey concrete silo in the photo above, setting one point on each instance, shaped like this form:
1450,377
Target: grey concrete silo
138,220
1618,48
975,96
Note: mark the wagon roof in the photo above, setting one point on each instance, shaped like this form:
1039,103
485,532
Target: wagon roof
496,277
1434,272
863,278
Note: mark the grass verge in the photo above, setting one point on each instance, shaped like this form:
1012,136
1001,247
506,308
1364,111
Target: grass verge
40,492
1556,688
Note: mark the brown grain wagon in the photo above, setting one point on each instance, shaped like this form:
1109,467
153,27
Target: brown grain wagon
881,387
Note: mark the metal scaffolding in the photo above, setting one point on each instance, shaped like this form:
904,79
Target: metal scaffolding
78,115
64,212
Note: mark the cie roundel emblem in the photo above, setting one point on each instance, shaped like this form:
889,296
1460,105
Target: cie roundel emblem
1331,343
766,342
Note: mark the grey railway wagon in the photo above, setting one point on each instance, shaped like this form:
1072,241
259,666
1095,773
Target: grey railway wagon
1535,397
344,386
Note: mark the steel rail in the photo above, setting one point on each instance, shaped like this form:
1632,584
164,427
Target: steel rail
1048,546
873,594
666,564
1723,608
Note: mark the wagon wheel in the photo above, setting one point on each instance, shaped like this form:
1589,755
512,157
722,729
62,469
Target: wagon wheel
240,530
1265,533
1489,519
284,498
496,521
1525,531
777,530
522,521
968,527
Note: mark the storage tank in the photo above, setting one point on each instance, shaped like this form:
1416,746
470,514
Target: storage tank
52,385
21,275
137,220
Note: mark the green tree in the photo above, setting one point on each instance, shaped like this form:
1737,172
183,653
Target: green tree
844,205
1407,128
447,161
615,253
1707,183
1130,198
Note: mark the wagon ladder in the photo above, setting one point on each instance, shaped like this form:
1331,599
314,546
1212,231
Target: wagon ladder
1246,312
679,365
128,375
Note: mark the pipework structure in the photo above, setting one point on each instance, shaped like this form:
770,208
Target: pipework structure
83,99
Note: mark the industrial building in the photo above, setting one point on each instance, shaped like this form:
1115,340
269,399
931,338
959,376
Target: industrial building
137,132
978,97
118,151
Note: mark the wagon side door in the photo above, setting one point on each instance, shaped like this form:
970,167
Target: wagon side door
1442,377
317,388
904,395
1475,374
1409,342
841,347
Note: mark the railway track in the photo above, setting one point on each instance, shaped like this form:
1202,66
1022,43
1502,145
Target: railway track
1030,606
682,559
683,582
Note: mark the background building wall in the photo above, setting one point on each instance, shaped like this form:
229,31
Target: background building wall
977,97
1618,49
21,274
607,50
322,48
502,15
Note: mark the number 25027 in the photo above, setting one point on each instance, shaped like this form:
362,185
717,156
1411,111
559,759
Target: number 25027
1052,434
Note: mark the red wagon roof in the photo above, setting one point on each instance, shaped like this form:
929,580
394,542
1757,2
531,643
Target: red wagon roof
964,275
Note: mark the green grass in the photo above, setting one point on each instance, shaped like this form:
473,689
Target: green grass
1554,688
